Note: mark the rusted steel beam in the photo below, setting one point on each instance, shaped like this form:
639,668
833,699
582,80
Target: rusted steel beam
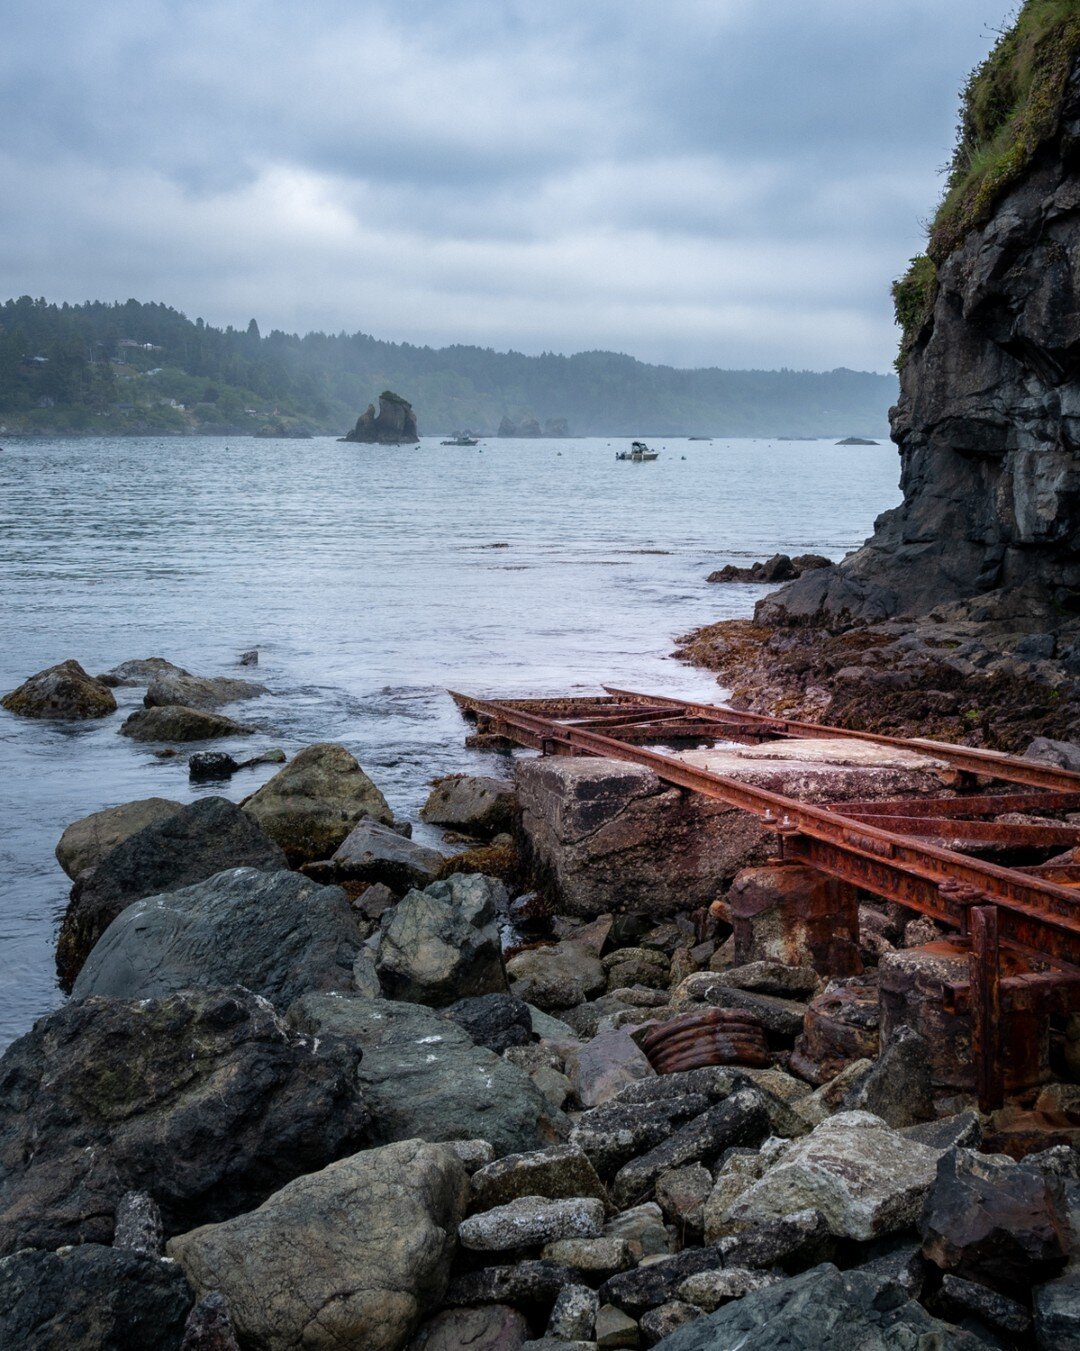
968,805
1049,836
987,1050
1053,991
651,713
974,760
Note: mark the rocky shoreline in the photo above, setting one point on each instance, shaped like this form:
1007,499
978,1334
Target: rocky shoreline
582,1082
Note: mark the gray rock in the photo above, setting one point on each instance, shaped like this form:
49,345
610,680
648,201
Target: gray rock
140,671
175,722
62,691
206,692
799,982
1064,754
204,1100
473,804
616,1330
556,977
423,1077
681,1194
961,1299
530,1221
474,1154
184,847
619,1130
531,1285
1057,1313
443,944
600,1068
573,1317
654,1283
793,1242
310,806
86,842
708,1290
497,1021
823,1307
492,1327
898,1088
248,658
642,1229
89,1298
597,1257
209,1327
963,1129
556,1172
138,1225
276,933
373,852
355,1254
658,1324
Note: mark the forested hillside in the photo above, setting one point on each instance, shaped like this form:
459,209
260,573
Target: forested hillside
136,367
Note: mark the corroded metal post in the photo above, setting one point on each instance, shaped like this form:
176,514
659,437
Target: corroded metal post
987,1048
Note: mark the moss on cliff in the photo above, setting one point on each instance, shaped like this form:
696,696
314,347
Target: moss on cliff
913,300
1010,105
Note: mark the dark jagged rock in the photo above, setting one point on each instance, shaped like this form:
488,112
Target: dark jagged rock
188,846
557,1172
778,568
211,766
277,933
89,1298
493,1020
792,1242
62,691
657,1282
204,1100
961,1299
532,1286
86,842
393,425
209,1327
138,1225
898,1088
373,852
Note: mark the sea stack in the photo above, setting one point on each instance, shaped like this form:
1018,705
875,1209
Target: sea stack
393,425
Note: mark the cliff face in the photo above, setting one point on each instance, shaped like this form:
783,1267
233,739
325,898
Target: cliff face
988,420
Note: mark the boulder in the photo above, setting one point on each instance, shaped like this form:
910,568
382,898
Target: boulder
615,1329
492,1327
595,1257
793,1242
599,1068
573,1317
63,691
643,1231
473,804
423,1077
708,1290
310,807
372,852
354,1255
529,1221
175,722
530,1285
204,1100
140,671
1063,754
277,933
211,767
996,1221
188,846
681,1194
497,1021
89,1298
867,1180
654,1283
898,1088
823,1307
556,977
1057,1313
961,1299
393,425
443,944
556,1172
178,687
85,843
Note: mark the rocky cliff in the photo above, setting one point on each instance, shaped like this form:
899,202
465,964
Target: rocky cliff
988,420
394,424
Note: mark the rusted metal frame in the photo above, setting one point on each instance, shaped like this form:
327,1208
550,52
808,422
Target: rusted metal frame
995,764
1039,918
1049,836
987,1049
983,804
642,734
627,717
1053,991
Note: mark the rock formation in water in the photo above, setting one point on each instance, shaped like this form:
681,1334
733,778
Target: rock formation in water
393,425
528,425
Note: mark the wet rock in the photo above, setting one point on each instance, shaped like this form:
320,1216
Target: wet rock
442,944
188,846
573,1317
248,658
560,1171
211,766
86,842
311,806
792,1242
656,1282
1057,1313
597,1257
708,1290
276,933
681,1194
866,1179
616,1330
62,691
204,1100
496,1021
529,1221
841,1027
556,977
355,1254
175,722
423,1077
492,1327
898,1088
205,692
138,1226
601,1067
473,804
140,671
531,1285
823,1307
989,1219
91,1297
740,1119
960,1299
373,852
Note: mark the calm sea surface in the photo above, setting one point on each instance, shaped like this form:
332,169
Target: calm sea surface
368,580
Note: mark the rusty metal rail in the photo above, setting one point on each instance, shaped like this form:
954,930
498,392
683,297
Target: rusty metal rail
886,853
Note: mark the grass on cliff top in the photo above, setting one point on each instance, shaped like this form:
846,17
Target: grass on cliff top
1010,105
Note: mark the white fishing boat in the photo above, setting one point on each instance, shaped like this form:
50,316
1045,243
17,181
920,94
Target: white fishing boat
638,451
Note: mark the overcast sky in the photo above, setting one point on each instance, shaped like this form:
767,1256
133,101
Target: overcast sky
700,182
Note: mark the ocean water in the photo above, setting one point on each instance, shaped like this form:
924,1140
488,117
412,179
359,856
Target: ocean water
371,579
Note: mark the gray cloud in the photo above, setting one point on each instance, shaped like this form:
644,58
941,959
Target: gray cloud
707,182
